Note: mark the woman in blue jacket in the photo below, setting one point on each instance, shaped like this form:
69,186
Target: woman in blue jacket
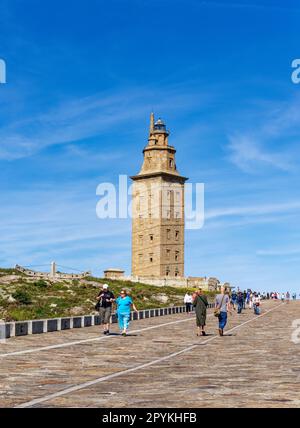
124,305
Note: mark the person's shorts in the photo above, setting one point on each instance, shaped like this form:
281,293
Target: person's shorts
105,314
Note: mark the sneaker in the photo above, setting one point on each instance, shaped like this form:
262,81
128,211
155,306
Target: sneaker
124,334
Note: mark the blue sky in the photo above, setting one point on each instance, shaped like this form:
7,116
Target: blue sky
82,78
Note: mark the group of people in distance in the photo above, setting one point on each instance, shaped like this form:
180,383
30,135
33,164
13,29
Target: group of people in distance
282,296
225,302
242,299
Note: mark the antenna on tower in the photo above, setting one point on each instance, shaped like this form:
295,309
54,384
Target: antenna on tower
151,122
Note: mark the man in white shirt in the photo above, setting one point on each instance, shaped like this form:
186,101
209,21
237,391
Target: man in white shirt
188,300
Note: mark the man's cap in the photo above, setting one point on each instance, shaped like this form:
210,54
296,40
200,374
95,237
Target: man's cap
105,286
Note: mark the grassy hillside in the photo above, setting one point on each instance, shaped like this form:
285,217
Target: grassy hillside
24,298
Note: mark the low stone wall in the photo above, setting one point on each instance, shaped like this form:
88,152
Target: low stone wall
171,282
45,275
24,328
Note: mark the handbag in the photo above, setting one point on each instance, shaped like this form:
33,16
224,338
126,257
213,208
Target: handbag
217,311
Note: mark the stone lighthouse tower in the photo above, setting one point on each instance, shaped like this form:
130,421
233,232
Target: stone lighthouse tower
158,210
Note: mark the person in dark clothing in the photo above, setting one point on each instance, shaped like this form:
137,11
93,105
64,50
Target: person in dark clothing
104,305
240,302
233,299
244,299
200,304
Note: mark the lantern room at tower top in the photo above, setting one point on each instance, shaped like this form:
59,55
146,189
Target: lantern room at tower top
159,156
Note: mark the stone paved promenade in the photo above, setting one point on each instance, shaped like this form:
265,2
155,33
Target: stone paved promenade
162,364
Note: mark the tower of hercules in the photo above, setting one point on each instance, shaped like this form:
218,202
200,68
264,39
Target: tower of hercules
158,210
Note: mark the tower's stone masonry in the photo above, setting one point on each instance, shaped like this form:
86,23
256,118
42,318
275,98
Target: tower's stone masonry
158,219
158,210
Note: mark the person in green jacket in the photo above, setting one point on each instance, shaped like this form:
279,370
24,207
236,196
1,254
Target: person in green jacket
200,304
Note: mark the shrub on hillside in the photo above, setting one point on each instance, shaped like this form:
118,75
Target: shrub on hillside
22,297
40,283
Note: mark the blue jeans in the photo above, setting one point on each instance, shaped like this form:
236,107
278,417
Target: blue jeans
222,320
123,319
240,307
256,310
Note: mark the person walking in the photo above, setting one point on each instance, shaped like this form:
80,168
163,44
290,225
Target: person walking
256,304
124,304
251,300
200,304
240,302
188,300
104,305
248,297
222,307
244,299
233,299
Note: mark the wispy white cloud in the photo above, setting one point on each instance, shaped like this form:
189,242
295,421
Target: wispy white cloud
248,154
279,252
251,5
253,210
255,149
80,119
62,226
69,122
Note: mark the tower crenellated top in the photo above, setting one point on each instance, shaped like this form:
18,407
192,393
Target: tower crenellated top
159,157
